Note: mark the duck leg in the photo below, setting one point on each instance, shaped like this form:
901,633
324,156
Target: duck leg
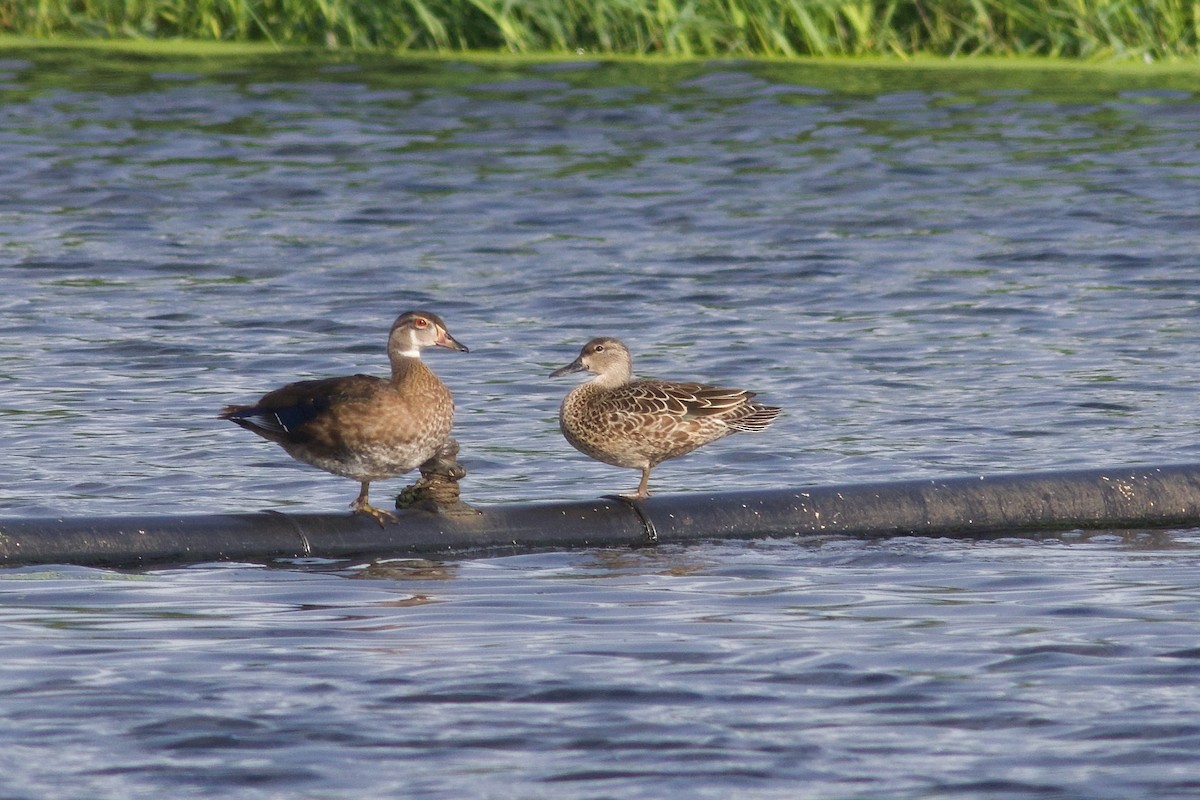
643,490
362,506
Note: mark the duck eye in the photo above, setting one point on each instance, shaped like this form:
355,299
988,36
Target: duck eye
598,348
420,322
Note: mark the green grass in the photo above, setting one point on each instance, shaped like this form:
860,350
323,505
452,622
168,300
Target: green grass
1151,30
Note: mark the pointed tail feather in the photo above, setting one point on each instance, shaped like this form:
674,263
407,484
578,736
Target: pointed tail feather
757,418
268,423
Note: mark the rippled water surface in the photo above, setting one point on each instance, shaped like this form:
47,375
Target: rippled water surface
936,272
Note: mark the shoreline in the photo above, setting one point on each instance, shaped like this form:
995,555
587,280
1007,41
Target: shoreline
203,49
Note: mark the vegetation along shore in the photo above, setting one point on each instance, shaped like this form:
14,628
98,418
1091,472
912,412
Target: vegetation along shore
1150,30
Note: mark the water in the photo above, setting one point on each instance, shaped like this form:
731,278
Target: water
911,668
935,272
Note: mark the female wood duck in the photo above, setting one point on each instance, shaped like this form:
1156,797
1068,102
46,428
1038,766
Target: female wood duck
640,424
361,426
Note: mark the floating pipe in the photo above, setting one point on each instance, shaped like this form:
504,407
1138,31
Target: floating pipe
969,507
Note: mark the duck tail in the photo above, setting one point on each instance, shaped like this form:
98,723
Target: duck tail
756,418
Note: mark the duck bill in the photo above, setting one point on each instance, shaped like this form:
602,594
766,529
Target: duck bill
444,339
574,366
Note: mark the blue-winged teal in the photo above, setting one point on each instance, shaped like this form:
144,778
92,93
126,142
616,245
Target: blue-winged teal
640,424
361,426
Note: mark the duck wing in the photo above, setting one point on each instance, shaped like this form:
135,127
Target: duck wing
685,400
282,415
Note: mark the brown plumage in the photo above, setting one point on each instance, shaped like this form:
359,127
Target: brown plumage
640,424
361,426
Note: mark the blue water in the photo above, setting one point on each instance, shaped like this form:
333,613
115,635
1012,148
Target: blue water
934,272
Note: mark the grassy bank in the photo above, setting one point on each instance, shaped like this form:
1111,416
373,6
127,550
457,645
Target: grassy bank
1124,29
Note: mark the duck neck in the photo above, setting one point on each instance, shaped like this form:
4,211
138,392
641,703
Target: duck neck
610,379
404,365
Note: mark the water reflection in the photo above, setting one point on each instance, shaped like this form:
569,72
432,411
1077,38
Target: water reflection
406,569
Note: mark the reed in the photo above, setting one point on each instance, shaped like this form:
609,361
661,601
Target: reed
1146,30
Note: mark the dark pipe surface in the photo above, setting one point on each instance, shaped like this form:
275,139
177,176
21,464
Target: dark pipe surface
133,541
1125,497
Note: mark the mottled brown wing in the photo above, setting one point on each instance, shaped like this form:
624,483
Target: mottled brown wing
679,399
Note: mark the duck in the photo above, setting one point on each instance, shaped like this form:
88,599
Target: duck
362,426
638,424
